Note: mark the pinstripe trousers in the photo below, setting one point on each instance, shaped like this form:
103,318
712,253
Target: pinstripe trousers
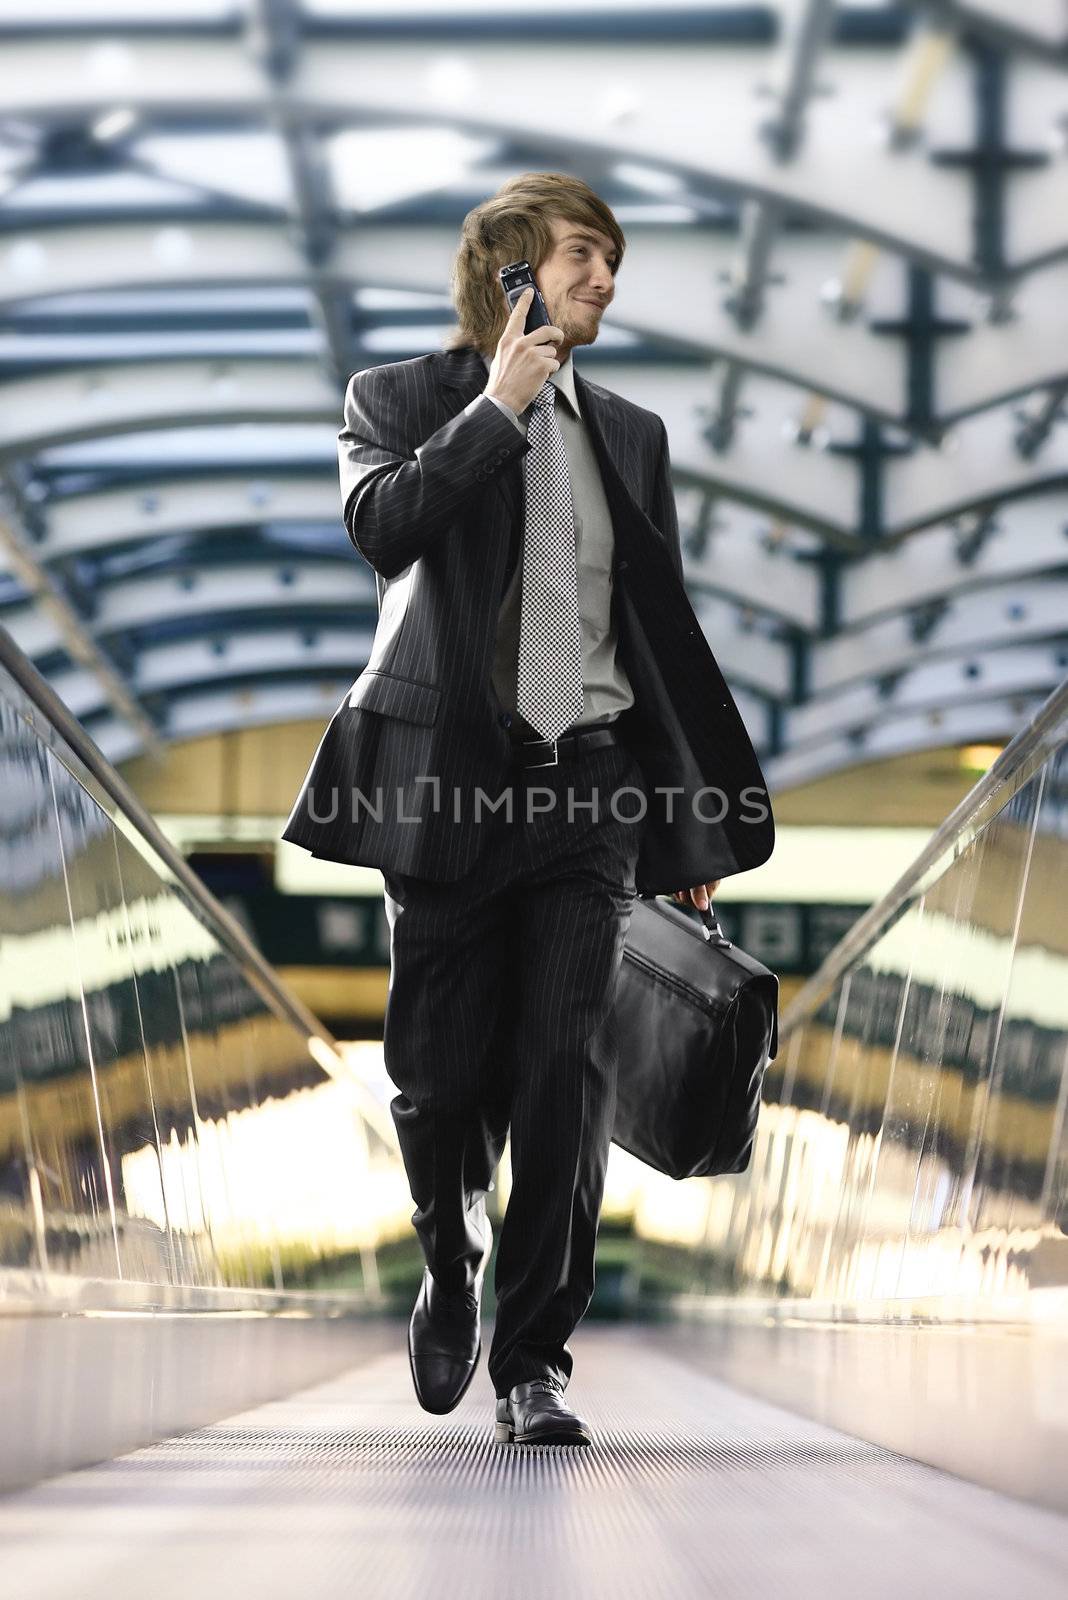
499,1015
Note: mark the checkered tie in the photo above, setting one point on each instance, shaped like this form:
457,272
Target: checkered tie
549,679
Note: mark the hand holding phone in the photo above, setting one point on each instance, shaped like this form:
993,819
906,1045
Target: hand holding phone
514,279
526,354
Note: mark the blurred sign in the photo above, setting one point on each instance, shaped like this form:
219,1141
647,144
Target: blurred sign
310,930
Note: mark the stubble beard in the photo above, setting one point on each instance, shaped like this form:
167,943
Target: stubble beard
577,329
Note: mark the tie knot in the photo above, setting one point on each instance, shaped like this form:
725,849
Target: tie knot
546,396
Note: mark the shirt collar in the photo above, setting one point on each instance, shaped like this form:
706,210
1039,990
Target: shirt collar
563,378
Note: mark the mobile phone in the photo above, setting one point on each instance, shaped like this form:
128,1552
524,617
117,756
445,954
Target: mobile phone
514,279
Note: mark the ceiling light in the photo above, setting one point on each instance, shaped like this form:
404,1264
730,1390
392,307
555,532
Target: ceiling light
373,167
451,81
113,124
979,757
172,246
652,179
110,62
26,257
637,213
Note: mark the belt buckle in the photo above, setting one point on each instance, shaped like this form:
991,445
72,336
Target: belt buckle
555,762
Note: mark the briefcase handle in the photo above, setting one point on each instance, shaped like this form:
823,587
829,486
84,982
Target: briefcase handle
712,931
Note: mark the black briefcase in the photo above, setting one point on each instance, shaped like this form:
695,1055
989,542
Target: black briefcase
697,1024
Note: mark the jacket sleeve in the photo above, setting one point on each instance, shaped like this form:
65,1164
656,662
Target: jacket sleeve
664,514
399,496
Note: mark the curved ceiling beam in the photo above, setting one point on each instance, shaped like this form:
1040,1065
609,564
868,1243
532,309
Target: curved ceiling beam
994,616
1006,356
746,655
668,268
896,198
33,630
956,679
799,339
65,407
49,598
209,595
741,562
280,661
82,258
1039,28
165,667
673,291
977,465
665,269
1023,537
736,565
996,719
192,716
270,653
204,713
1001,614
204,591
111,518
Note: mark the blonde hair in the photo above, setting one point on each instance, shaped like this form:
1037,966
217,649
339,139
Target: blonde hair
515,224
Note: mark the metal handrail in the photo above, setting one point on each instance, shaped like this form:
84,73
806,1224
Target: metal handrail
59,721
1021,757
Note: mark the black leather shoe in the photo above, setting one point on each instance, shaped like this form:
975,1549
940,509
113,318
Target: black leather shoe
535,1413
445,1339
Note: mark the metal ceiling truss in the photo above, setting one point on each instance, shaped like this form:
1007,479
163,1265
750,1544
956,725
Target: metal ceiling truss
225,711
112,519
161,670
863,399
199,714
980,721
1023,538
950,680
897,198
819,487
209,602
1036,26
52,605
863,362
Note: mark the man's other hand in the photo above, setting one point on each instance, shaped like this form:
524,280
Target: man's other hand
700,896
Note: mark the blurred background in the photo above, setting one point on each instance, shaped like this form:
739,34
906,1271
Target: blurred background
846,292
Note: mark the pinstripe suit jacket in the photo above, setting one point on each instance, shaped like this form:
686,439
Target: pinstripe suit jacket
433,500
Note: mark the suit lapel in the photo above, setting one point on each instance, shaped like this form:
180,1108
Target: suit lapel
606,424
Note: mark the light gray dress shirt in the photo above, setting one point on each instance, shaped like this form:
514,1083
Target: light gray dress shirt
606,688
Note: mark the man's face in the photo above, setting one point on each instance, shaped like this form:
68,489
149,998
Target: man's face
576,281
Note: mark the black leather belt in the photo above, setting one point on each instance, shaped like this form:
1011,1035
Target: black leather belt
550,752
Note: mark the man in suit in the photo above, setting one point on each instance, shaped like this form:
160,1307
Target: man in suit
541,733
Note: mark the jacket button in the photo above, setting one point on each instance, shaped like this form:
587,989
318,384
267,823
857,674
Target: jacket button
623,565
505,719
